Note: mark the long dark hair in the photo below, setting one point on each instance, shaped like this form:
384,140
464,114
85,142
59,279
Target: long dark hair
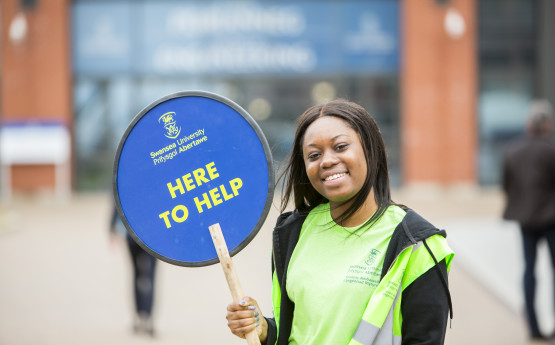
296,181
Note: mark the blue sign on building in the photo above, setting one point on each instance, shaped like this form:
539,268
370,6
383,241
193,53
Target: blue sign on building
236,38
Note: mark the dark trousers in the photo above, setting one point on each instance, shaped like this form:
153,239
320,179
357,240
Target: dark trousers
144,266
530,239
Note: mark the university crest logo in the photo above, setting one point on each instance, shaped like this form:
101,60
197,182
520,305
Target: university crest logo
170,125
371,258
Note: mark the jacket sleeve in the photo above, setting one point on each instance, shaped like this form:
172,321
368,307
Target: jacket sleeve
272,326
425,308
272,331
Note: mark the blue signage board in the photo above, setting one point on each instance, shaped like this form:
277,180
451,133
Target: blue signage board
102,41
188,161
237,37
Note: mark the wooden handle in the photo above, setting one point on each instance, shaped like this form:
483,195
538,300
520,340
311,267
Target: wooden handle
230,274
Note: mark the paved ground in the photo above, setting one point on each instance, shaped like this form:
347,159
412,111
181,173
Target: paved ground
61,282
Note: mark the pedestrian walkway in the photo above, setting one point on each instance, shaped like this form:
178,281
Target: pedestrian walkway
61,282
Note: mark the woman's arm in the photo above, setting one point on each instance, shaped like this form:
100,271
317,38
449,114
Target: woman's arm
425,308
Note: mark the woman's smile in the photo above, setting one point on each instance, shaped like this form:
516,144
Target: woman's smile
335,179
335,176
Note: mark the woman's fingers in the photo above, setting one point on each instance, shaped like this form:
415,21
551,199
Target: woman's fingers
242,314
241,327
243,317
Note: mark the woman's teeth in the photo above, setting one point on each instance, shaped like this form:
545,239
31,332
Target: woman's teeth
335,176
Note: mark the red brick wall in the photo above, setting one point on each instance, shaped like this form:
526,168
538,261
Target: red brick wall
438,94
35,80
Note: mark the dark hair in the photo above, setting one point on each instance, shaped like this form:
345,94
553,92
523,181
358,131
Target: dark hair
295,177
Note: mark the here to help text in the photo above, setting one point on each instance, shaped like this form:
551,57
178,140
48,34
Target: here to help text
207,200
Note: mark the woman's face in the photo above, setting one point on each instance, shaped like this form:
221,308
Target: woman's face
334,159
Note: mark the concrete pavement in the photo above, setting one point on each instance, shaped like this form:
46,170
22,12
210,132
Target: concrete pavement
63,282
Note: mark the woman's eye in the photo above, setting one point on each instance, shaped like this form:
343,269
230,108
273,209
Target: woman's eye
313,156
341,147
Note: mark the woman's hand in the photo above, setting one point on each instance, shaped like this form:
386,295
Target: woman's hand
245,316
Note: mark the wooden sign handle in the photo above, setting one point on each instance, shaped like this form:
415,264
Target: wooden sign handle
230,274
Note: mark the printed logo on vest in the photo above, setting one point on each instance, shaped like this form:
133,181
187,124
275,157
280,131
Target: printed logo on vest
371,258
368,274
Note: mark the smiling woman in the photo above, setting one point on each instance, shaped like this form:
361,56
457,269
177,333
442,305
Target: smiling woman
348,252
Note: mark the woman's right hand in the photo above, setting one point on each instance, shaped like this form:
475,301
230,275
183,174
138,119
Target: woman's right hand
245,316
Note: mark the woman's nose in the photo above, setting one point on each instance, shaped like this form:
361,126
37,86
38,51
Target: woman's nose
329,159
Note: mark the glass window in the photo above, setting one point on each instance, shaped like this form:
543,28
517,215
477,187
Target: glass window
507,57
310,67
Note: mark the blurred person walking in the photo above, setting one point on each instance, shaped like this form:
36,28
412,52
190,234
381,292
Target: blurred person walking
528,180
144,267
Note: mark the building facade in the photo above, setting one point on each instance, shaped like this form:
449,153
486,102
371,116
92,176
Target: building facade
444,79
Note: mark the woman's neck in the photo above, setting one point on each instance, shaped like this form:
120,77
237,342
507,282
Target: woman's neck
359,217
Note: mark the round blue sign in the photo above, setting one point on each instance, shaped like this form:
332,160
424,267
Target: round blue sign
187,161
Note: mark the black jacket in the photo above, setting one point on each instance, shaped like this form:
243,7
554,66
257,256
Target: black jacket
425,303
529,182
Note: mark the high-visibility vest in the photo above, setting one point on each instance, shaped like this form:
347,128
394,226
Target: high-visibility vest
382,320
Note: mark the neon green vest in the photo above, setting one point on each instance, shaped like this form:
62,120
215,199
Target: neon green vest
382,319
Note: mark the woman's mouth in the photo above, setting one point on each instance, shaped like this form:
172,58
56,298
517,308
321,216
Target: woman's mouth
335,176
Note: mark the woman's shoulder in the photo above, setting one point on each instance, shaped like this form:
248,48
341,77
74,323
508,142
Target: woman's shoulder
290,217
398,211
296,218
393,215
415,227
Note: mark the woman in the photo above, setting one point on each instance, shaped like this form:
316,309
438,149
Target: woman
144,269
349,265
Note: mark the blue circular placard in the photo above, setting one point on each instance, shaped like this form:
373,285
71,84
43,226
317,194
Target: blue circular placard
187,161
